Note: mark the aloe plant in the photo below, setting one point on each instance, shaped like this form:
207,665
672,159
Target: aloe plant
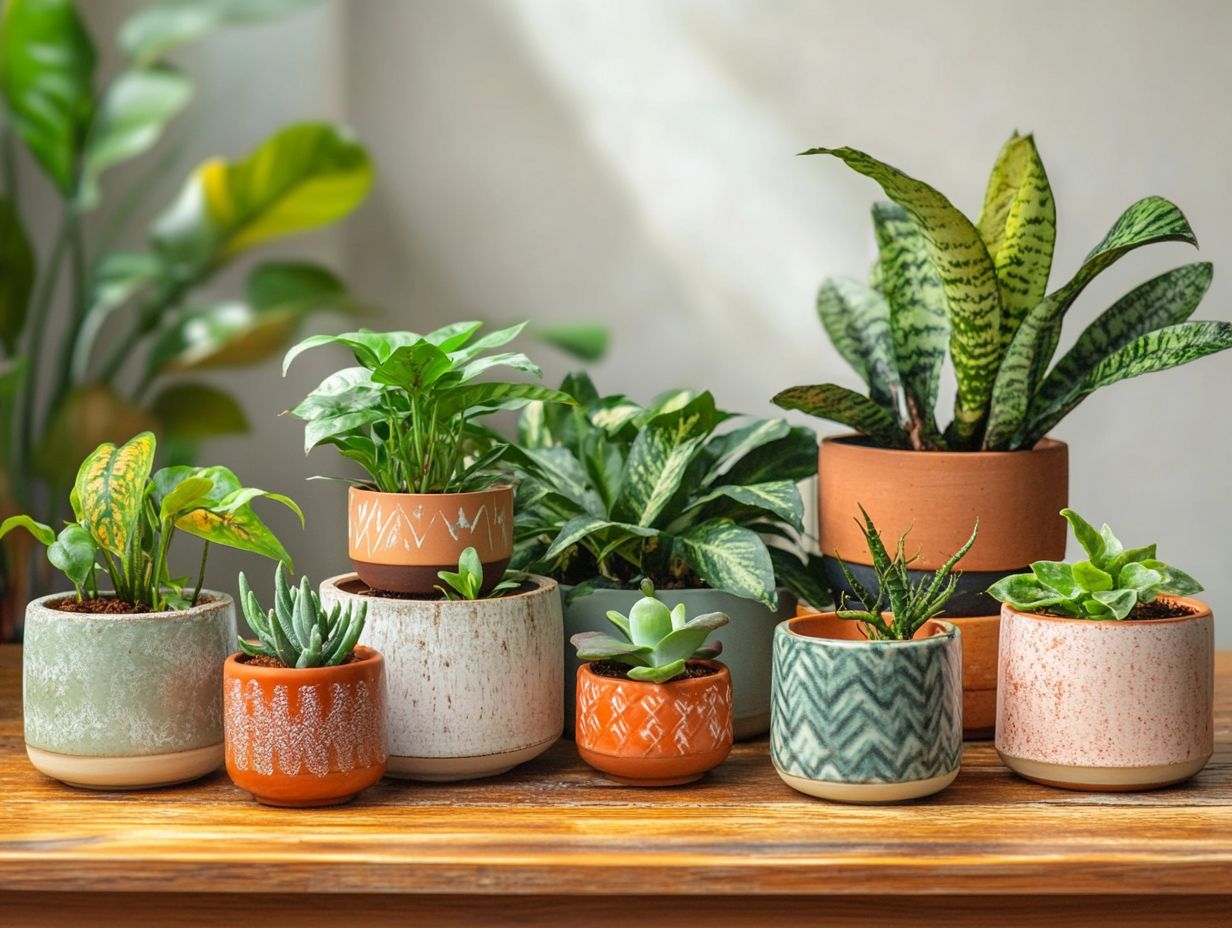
658,643
1110,584
909,605
297,631
979,290
467,581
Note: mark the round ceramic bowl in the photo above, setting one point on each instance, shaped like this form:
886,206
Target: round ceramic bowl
1106,705
474,686
866,721
125,701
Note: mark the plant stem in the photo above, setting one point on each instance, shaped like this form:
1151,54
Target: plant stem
41,309
205,553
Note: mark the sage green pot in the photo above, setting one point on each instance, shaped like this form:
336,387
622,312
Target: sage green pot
125,701
748,644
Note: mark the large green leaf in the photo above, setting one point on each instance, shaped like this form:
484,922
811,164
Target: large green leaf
967,274
792,457
731,558
159,27
46,72
1019,228
45,534
857,319
16,275
585,341
722,451
582,527
778,497
194,411
659,457
110,490
838,404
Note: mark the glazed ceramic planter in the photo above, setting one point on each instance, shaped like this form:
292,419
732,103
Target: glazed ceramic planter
398,542
311,736
474,686
125,701
1106,705
866,721
747,643
654,734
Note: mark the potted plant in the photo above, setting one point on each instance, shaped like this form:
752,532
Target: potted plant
404,413
679,493
867,702
979,292
474,678
1106,670
653,706
123,687
304,703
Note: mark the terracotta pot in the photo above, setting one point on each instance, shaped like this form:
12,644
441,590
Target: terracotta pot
125,701
866,721
474,686
398,542
980,635
1106,705
305,736
654,734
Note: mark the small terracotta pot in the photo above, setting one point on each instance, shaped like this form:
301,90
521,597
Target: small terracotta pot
1106,705
654,734
305,737
398,542
980,635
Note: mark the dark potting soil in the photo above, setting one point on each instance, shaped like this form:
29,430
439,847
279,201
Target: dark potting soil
264,660
621,672
107,605
359,588
1144,612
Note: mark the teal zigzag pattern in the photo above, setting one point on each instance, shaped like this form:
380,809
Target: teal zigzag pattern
877,714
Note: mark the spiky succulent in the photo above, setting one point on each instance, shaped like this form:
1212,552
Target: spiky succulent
658,642
297,631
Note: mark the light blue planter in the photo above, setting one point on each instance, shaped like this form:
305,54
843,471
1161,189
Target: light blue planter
865,721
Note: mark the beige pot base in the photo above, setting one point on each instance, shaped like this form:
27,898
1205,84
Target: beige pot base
144,771
1103,779
868,793
449,769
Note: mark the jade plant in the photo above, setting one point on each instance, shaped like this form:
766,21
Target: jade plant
980,291
297,631
467,581
1110,584
658,643
405,412
909,605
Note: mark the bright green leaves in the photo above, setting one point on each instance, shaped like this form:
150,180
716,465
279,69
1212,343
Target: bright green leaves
730,557
857,319
838,404
16,275
467,581
72,551
44,534
163,26
659,456
297,631
110,491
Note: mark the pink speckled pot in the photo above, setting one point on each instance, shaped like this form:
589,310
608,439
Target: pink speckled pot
1106,705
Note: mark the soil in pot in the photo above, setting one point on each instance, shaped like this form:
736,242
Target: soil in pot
106,605
621,671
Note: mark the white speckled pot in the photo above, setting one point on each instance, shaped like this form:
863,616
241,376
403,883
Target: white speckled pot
475,687
1106,705
126,701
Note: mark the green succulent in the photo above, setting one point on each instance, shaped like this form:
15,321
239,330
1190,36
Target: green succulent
657,642
297,631
910,606
467,581
1108,585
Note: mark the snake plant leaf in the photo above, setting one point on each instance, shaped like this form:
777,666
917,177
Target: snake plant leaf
581,527
16,275
839,404
732,558
160,27
110,489
967,275
778,497
44,534
1019,229
659,457
857,319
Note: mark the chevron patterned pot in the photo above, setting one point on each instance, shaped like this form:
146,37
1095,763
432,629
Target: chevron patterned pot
1107,705
866,721
654,734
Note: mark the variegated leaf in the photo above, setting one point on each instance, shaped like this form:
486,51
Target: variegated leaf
110,489
857,319
838,404
730,558
582,527
238,528
780,497
792,457
722,450
659,457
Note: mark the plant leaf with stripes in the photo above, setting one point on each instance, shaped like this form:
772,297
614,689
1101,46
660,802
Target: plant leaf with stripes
857,319
778,497
110,490
659,457
730,557
839,404
722,450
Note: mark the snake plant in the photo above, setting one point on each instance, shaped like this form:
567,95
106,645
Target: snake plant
298,631
980,290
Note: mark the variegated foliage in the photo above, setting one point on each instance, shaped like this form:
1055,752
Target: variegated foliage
980,291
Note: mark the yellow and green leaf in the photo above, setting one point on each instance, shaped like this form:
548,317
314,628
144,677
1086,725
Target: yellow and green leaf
110,489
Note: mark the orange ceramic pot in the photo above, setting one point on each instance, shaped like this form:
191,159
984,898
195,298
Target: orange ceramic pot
398,542
654,734
305,737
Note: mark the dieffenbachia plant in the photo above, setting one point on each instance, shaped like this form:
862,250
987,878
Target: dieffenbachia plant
297,631
658,643
467,581
980,291
126,516
1108,585
909,605
612,492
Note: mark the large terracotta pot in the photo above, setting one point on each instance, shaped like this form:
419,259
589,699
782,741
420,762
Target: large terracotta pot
654,734
865,721
125,701
474,686
312,736
399,542
1106,705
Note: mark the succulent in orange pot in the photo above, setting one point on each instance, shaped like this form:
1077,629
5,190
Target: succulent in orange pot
304,705
653,707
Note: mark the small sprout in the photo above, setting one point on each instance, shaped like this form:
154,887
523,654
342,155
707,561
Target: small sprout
298,631
468,580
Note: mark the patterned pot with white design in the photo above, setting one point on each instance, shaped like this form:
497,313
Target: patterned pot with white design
856,720
398,542
125,701
312,736
654,734
474,685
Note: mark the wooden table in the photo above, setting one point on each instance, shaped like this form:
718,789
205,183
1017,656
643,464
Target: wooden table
554,842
